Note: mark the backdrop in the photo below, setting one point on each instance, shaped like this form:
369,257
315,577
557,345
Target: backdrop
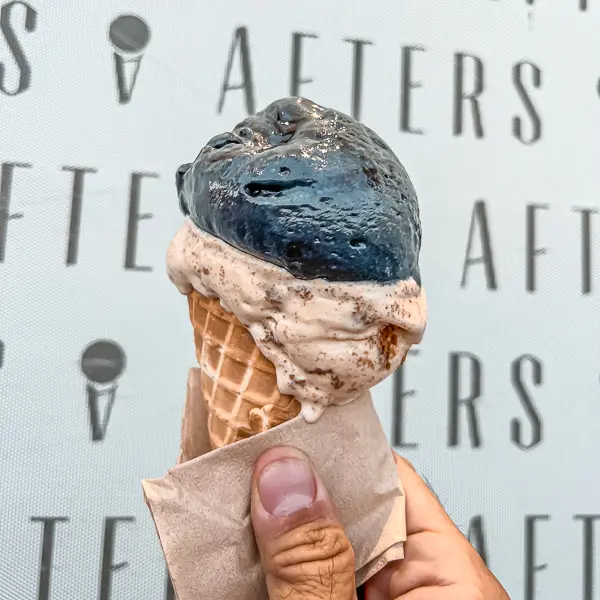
494,108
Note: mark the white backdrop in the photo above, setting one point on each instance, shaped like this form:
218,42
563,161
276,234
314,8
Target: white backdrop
527,508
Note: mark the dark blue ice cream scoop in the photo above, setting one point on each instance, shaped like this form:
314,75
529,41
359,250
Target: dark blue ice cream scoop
308,189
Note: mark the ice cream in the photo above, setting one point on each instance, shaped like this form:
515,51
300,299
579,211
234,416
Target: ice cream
311,190
329,341
305,226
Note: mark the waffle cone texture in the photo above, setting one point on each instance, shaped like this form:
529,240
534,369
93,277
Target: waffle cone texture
239,385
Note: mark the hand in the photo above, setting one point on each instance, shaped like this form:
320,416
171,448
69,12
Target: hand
439,562
306,555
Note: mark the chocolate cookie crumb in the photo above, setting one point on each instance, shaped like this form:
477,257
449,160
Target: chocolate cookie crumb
336,382
388,341
305,294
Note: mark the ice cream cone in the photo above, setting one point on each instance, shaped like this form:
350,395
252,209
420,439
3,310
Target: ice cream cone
239,384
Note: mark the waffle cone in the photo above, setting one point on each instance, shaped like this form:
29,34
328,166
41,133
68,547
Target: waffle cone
239,385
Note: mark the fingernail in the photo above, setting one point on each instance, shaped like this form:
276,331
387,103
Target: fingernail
286,486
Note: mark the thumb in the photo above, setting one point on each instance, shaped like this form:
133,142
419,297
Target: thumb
303,547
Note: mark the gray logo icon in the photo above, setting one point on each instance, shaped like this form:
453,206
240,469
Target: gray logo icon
102,363
129,36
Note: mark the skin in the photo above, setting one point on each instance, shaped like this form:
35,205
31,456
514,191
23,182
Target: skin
306,555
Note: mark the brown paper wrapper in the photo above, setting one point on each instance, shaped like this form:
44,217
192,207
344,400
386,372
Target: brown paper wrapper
201,508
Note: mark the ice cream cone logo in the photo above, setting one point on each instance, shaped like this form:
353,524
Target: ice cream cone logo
129,36
102,363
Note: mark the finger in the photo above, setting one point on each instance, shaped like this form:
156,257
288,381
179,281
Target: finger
432,539
431,560
303,547
423,510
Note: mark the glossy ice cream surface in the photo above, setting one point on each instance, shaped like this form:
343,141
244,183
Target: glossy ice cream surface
308,189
